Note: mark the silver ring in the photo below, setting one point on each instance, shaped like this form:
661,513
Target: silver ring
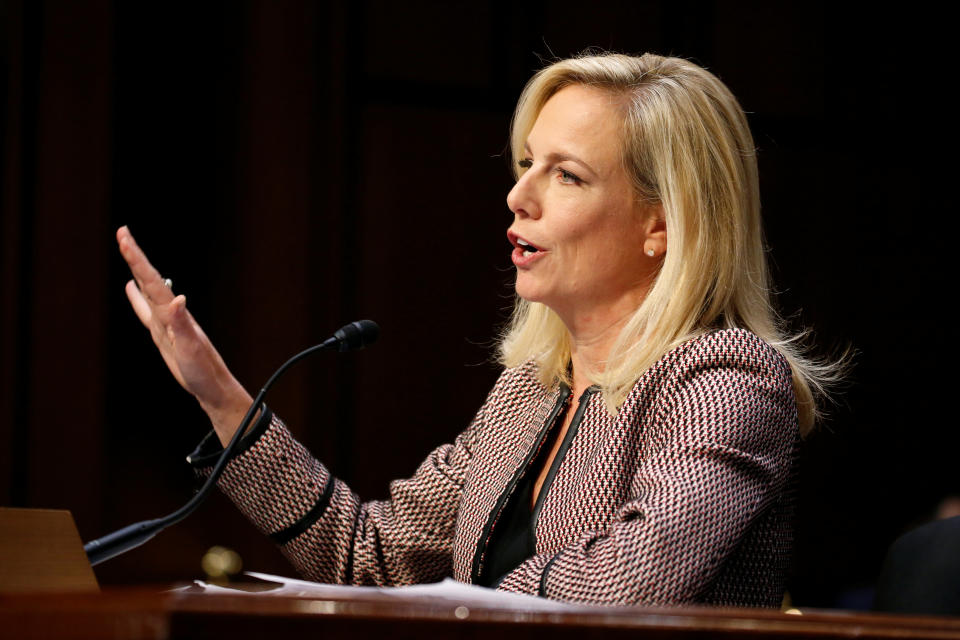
168,282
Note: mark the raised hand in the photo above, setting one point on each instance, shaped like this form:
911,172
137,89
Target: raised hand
189,354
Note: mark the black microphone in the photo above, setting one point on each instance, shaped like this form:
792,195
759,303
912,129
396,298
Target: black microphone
355,335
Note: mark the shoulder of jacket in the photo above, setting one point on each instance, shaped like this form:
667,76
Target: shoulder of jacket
738,348
721,366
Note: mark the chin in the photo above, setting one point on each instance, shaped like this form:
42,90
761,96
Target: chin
524,289
529,291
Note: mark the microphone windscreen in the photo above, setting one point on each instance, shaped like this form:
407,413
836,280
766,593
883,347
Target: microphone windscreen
357,335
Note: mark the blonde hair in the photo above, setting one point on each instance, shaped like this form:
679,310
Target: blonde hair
687,147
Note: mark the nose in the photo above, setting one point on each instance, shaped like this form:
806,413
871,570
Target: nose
523,198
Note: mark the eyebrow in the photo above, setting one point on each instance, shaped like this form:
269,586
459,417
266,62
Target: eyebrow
560,157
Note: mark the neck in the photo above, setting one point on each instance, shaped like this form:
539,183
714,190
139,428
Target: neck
592,336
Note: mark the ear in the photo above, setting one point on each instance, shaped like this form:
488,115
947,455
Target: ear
654,231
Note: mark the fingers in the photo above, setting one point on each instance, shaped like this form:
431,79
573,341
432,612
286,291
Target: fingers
151,284
166,322
140,305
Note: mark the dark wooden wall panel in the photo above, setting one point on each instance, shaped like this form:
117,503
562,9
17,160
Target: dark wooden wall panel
16,112
62,340
276,181
434,263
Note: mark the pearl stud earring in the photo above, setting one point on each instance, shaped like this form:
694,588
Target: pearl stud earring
650,252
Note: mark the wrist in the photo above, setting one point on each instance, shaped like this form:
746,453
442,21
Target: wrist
228,410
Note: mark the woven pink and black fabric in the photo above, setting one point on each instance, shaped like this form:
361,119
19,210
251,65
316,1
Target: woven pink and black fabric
685,496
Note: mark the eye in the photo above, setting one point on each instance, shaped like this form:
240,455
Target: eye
568,178
526,163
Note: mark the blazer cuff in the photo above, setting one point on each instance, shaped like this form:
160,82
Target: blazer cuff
209,449
273,479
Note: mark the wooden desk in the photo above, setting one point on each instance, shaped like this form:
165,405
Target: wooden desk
142,613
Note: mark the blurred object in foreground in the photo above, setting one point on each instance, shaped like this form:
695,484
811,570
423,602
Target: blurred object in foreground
219,563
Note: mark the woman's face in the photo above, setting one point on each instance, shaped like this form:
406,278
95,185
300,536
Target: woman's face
578,233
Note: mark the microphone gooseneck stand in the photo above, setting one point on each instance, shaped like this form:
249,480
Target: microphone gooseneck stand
355,335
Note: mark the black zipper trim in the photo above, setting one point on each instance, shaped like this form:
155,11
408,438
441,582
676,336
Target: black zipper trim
541,497
558,459
502,500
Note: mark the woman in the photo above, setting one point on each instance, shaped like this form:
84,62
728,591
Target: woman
640,444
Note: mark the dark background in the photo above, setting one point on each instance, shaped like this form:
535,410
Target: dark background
295,165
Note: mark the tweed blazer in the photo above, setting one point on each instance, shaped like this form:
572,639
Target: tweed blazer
685,496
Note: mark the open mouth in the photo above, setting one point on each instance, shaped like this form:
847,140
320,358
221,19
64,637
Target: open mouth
528,249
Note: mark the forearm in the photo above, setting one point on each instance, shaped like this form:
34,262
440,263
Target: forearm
324,529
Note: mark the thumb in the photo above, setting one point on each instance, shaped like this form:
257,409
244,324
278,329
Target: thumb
179,323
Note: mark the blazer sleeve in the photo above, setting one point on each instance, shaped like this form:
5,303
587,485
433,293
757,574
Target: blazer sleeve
715,457
326,531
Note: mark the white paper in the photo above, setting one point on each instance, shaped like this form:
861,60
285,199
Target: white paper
449,591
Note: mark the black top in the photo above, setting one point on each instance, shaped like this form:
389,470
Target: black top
514,538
